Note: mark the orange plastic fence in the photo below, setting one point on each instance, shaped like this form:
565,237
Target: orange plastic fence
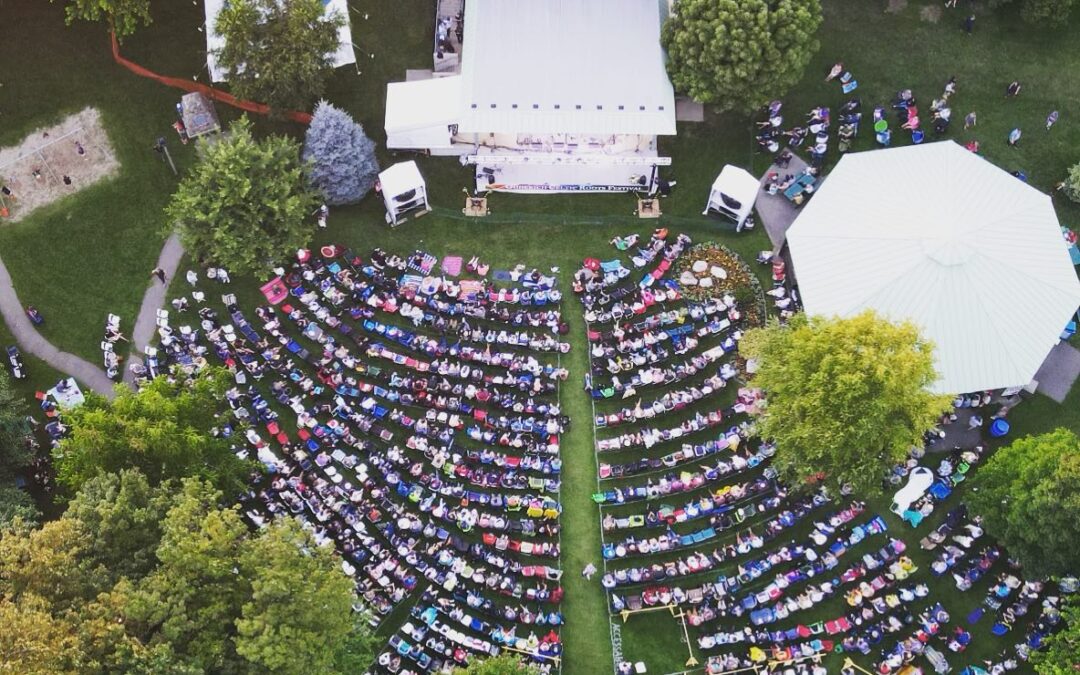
206,90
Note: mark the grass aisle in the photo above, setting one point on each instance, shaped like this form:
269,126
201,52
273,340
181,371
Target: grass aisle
586,636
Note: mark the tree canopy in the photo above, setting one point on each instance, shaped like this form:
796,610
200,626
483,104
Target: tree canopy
1060,650
506,663
739,54
202,594
246,202
341,159
165,430
1071,186
278,51
15,455
847,398
14,452
122,16
1029,495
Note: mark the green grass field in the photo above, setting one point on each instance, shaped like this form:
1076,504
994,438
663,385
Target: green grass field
91,254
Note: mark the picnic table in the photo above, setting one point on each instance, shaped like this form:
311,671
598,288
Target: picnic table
802,184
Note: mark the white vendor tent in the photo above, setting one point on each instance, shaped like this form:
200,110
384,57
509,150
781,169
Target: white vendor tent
940,236
733,194
403,190
419,114
343,56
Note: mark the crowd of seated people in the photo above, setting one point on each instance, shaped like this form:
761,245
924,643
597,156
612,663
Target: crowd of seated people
412,422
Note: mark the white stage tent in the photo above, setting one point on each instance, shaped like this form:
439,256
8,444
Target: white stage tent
565,66
553,95
938,235
343,56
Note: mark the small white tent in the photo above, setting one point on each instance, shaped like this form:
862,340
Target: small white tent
420,114
939,236
403,190
733,195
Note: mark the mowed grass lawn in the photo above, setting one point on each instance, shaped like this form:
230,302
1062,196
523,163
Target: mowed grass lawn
92,254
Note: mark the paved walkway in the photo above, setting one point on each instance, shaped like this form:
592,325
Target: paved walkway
1059,371
32,342
153,300
776,212
89,375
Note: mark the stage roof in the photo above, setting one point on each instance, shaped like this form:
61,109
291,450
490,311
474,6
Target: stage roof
565,66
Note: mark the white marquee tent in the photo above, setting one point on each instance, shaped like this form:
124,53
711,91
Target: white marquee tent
938,235
733,195
403,190
344,54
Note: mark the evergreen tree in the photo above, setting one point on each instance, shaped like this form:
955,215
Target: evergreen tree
341,159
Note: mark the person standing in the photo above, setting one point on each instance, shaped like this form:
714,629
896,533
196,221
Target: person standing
192,277
589,571
969,24
159,273
969,120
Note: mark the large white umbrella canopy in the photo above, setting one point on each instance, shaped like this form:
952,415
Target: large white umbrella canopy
936,234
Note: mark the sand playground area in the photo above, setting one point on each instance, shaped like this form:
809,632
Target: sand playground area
54,162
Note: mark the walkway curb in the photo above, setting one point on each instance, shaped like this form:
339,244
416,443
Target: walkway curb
32,342
153,300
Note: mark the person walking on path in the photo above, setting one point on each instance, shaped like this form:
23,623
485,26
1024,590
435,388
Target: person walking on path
589,571
159,273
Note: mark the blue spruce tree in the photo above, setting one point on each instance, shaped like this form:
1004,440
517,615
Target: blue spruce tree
341,159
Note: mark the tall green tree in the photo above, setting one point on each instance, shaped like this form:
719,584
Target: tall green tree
278,52
1060,652
1071,185
506,663
1029,495
122,16
847,398
217,597
15,455
17,503
32,641
739,54
123,513
299,613
165,430
246,203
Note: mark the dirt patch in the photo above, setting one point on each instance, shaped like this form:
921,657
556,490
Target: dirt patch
930,14
54,162
896,6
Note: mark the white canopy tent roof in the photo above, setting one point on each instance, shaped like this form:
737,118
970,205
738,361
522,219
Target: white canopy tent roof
419,113
403,189
344,54
586,67
733,194
565,66
938,235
